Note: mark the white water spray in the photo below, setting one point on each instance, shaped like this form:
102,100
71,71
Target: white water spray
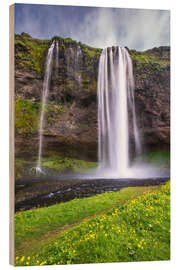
46,82
57,58
115,102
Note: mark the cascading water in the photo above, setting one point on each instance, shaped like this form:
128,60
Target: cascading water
77,63
116,114
115,103
57,58
47,77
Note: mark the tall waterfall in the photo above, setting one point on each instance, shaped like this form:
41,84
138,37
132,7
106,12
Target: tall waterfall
115,109
47,77
57,58
77,63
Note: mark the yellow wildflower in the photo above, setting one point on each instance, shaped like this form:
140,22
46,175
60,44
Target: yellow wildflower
43,263
22,259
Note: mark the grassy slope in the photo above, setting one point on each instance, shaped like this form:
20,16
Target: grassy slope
36,222
135,230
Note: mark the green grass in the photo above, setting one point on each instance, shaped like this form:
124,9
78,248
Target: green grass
59,163
159,158
136,230
36,222
53,164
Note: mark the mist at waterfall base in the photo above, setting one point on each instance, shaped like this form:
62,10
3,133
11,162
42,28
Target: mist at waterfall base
116,117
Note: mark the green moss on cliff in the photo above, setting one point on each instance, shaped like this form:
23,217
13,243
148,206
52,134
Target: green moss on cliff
26,116
53,111
31,52
78,63
91,52
147,62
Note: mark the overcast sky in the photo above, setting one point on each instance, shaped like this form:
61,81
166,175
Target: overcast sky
98,27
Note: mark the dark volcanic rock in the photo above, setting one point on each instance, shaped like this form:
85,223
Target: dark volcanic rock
28,84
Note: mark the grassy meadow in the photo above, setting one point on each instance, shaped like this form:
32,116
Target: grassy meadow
132,224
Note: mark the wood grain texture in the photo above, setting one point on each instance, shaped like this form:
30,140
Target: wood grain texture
11,136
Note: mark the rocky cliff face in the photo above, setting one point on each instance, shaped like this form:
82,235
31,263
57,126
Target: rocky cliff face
152,96
71,114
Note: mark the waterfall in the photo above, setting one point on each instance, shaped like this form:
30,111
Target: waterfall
47,77
70,60
57,58
77,63
115,106
74,58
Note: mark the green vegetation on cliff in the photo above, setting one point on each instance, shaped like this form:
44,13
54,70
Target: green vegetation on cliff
26,116
78,63
30,52
149,61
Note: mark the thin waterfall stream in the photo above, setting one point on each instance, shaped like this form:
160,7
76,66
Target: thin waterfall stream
46,82
57,58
